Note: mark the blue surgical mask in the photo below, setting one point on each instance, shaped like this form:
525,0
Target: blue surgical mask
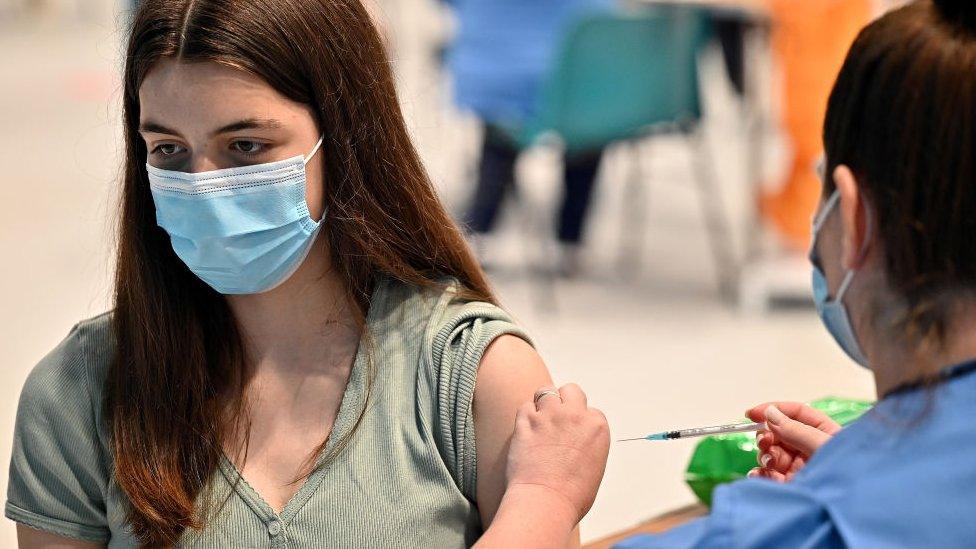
832,312
241,230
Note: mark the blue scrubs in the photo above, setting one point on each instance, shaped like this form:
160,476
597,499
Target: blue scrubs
904,475
503,49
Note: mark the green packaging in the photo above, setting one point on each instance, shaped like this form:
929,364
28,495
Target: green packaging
725,458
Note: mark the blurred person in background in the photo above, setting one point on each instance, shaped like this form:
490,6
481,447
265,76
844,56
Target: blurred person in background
302,351
894,271
809,41
500,54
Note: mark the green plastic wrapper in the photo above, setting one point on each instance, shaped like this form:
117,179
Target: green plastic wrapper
725,458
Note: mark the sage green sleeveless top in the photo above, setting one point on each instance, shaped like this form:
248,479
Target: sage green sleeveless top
406,478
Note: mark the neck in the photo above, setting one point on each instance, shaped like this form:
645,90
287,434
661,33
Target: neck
306,322
897,360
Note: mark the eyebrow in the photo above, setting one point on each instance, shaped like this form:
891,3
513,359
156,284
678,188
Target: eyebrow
153,127
250,124
246,124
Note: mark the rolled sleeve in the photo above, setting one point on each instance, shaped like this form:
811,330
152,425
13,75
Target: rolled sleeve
458,340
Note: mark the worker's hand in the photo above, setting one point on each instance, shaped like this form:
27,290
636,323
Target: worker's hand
794,431
559,448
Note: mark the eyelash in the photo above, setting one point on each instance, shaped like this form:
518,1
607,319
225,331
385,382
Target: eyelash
156,149
259,148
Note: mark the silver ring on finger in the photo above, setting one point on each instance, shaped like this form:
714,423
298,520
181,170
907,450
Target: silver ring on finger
539,395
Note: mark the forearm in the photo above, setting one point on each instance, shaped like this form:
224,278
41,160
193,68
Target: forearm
31,538
531,516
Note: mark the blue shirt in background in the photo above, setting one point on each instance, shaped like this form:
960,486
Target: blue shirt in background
503,50
904,475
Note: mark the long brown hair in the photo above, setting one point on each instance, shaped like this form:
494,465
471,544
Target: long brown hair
179,359
902,116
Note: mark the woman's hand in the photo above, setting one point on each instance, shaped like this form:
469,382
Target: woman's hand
560,445
555,464
794,431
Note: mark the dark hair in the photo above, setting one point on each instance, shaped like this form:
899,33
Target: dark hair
902,116
180,364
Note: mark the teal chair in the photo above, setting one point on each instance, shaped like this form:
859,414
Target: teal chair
620,77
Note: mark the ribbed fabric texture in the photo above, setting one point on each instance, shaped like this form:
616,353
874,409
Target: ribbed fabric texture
407,478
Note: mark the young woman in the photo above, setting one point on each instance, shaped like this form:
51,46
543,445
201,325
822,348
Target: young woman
895,283
302,351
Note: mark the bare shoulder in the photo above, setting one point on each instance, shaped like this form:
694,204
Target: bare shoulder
510,372
508,363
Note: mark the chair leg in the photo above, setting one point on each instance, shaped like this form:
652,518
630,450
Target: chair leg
716,221
634,215
537,244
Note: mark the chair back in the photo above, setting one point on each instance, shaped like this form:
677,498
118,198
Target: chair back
617,75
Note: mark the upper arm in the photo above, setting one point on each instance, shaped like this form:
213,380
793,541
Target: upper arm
509,374
479,367
30,538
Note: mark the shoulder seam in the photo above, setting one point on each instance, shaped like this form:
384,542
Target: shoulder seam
93,319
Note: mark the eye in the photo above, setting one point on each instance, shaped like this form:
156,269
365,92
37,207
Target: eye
167,149
247,148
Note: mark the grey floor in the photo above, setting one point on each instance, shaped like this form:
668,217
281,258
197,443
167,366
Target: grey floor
653,347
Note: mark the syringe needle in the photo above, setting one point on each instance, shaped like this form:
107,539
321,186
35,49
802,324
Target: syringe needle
702,431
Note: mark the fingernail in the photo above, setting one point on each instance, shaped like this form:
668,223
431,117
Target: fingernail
774,415
760,437
764,459
753,473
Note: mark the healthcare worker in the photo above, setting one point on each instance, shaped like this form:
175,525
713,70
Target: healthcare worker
894,278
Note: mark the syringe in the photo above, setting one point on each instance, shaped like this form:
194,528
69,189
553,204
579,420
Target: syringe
702,431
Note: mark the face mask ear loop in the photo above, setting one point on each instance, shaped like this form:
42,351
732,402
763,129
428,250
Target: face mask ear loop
315,149
819,221
848,278
864,248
